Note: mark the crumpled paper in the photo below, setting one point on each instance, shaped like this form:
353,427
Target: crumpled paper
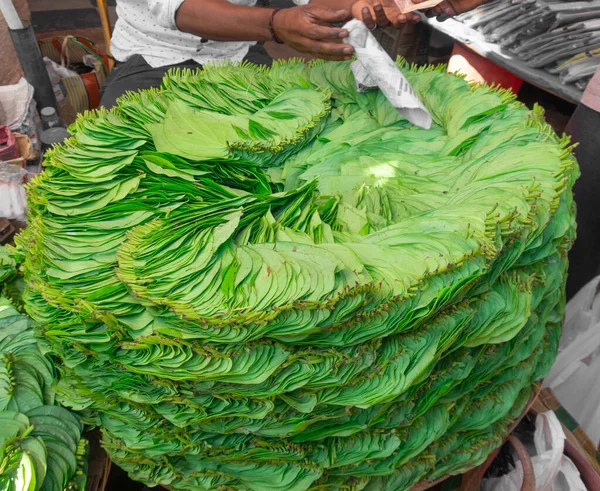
374,68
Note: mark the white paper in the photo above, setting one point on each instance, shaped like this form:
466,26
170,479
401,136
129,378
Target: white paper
374,68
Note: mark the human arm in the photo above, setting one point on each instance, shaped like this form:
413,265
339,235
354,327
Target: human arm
305,28
368,10
450,8
374,13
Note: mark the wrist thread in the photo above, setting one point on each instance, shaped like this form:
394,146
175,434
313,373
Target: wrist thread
274,35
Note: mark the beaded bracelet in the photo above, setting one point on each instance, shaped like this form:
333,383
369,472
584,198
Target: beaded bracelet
272,29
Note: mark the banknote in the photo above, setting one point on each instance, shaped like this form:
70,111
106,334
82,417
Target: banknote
406,6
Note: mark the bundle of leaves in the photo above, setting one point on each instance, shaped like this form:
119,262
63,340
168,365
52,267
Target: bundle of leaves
260,279
11,280
40,442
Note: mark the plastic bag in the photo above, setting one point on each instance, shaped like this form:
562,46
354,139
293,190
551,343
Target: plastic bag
13,202
15,101
554,471
18,111
574,378
9,149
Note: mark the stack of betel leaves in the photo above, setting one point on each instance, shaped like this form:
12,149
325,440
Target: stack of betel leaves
11,282
40,442
261,279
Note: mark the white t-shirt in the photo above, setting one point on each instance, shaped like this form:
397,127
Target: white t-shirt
147,28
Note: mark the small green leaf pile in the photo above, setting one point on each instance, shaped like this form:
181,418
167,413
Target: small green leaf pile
11,282
40,442
8,266
260,279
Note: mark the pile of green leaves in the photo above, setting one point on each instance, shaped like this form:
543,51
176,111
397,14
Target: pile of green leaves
40,442
11,280
260,279
8,266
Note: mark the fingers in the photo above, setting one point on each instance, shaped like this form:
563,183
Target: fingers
335,58
444,10
448,10
455,7
330,15
380,17
400,20
323,32
332,49
367,18
413,18
372,15
325,50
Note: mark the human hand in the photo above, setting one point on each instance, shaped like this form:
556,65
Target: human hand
381,13
450,8
308,29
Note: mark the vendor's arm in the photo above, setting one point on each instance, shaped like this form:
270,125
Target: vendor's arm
305,28
450,8
374,13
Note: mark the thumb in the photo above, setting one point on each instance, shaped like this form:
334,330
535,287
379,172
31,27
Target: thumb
332,15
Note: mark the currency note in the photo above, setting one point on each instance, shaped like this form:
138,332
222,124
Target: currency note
406,6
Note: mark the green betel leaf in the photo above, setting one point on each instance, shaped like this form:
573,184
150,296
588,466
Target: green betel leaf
35,449
261,279
40,443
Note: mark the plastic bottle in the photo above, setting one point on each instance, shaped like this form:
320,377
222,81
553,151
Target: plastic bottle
51,136
50,118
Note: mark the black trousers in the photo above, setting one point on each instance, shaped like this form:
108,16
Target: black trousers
135,74
584,258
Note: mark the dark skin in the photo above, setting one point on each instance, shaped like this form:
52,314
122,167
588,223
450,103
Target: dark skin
450,8
382,13
307,29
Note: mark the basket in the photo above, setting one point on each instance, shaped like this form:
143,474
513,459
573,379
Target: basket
83,90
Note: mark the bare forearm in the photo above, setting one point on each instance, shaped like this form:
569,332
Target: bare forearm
220,20
308,29
333,4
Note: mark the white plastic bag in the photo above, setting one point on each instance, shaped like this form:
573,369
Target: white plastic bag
18,111
13,202
15,101
55,72
575,376
554,471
